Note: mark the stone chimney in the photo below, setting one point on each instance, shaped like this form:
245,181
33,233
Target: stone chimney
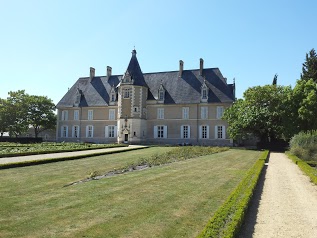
92,73
109,71
201,66
181,67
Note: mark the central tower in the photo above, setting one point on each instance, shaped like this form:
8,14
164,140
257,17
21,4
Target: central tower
132,95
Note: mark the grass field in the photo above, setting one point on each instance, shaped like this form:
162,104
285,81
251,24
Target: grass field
173,200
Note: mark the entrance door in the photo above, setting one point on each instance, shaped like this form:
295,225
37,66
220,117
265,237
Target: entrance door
126,138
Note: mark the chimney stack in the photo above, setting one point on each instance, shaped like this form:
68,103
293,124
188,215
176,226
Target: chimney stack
109,71
92,73
201,66
181,67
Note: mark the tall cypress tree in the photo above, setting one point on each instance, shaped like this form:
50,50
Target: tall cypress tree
310,67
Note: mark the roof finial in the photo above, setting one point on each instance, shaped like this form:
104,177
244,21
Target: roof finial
133,51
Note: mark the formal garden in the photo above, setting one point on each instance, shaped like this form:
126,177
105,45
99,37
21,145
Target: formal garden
173,197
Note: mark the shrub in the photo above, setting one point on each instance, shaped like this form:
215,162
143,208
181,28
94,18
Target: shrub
311,172
304,145
227,220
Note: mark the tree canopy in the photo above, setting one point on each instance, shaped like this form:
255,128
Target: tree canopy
20,110
309,70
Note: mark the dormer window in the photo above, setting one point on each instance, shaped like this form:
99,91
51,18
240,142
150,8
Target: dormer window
78,97
113,95
204,92
161,93
127,77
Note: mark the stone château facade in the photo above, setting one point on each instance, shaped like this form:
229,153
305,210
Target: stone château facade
175,107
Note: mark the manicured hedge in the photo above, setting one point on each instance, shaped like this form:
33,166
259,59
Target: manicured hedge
53,160
227,220
50,150
305,167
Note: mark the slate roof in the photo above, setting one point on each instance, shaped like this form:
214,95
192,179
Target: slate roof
179,90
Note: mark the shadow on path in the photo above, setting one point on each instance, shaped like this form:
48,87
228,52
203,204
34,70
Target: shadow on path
247,228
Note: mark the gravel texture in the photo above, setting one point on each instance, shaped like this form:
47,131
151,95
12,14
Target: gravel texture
285,202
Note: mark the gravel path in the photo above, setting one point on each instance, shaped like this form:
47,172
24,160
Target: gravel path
285,203
64,154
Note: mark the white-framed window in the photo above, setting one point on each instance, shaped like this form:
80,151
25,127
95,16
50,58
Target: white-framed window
76,115
135,109
220,132
204,132
126,93
219,112
111,131
113,97
185,112
90,115
112,114
89,131
204,113
75,132
64,115
160,131
204,93
160,113
161,95
64,131
185,132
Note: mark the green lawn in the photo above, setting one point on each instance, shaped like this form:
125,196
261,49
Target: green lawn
173,200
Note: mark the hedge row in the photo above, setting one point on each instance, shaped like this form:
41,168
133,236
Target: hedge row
227,220
53,160
304,166
59,151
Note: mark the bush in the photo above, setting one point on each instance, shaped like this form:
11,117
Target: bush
311,172
304,145
228,219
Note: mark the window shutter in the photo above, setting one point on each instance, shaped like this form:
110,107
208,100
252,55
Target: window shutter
188,131
182,132
106,131
92,131
115,131
200,132
207,132
223,132
155,131
86,131
165,131
216,132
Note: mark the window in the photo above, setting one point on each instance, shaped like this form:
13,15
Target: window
64,131
135,109
185,112
64,115
185,132
111,114
75,132
204,94
204,132
113,97
89,131
160,131
160,113
111,131
219,112
220,132
204,113
76,115
126,93
161,95
90,115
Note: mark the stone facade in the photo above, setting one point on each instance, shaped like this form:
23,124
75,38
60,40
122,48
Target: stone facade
179,107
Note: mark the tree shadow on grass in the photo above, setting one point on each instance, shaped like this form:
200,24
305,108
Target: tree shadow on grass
248,226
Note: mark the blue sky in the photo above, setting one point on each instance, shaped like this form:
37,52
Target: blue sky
45,46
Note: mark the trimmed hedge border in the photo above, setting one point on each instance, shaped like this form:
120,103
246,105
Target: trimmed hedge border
53,160
57,151
227,220
304,166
